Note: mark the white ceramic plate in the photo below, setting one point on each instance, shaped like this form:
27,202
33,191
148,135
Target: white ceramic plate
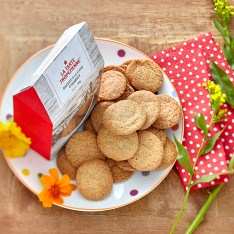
26,169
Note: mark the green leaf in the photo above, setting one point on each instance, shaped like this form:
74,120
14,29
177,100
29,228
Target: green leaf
205,179
183,156
201,123
221,29
211,143
229,54
231,164
220,77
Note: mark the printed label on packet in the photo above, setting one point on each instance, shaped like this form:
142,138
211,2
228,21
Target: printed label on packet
74,70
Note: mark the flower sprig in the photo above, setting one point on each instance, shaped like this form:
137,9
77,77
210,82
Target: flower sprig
217,99
55,188
224,13
13,142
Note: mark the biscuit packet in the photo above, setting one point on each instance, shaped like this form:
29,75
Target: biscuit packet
53,103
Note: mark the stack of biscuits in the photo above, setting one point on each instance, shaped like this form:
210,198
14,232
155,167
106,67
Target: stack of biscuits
125,132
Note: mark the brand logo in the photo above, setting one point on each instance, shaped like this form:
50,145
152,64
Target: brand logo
68,68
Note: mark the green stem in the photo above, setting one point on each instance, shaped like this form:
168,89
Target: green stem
200,216
180,212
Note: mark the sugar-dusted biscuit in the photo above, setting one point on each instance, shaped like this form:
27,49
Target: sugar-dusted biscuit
118,174
149,154
170,112
124,117
82,146
113,85
89,126
128,91
150,104
160,133
94,179
115,146
170,154
125,165
97,114
64,165
144,74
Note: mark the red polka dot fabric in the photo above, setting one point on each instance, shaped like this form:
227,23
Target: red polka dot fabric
187,66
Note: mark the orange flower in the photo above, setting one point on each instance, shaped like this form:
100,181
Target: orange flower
55,188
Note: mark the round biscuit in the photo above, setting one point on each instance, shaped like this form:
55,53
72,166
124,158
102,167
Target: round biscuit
124,117
117,147
113,84
64,165
149,154
97,114
125,165
150,104
170,112
94,179
170,154
82,146
144,74
128,91
89,127
160,133
118,174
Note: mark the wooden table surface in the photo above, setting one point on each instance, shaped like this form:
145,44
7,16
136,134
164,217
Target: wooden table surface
27,26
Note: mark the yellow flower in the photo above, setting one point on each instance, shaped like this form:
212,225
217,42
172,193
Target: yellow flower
12,141
55,188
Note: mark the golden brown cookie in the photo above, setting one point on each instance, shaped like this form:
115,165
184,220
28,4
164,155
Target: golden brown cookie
170,154
129,90
82,146
118,174
125,165
124,117
115,146
97,114
94,179
150,104
149,154
89,127
170,112
64,165
160,133
144,74
113,85
114,68
72,124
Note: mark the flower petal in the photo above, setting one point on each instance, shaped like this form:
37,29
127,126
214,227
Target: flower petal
46,181
44,195
66,190
64,181
54,175
58,200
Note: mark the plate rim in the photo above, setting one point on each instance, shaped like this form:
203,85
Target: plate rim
66,206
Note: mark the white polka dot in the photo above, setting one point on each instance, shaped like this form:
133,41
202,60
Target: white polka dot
225,180
203,171
218,146
162,60
215,129
185,78
182,100
220,155
210,173
178,75
155,56
216,168
188,95
186,117
181,61
195,68
167,55
189,104
190,73
194,159
197,176
204,109
174,58
207,157
212,182
200,93
176,66
214,160
222,163
183,170
169,63
183,70
181,91
198,145
170,72
192,51
208,165
201,162
199,185
186,56
185,179
203,71
189,134
192,151
186,86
